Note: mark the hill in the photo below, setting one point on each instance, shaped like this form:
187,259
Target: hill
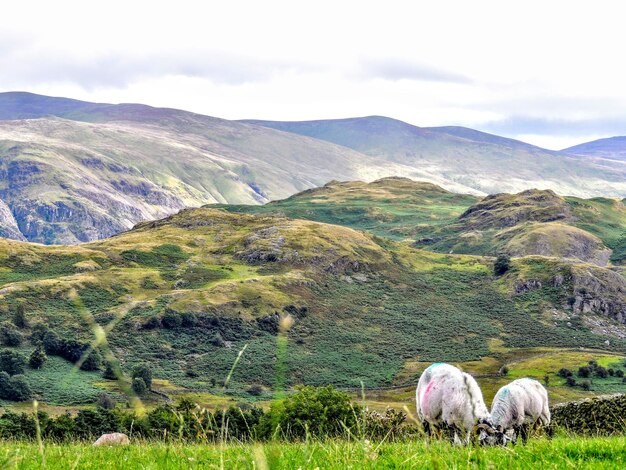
612,148
73,171
532,222
186,293
474,161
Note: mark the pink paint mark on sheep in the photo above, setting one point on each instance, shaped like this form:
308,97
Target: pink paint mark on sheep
425,396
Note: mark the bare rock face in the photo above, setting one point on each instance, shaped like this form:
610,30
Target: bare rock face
8,224
600,291
112,439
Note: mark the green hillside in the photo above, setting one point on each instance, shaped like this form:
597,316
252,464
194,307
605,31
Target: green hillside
314,303
532,222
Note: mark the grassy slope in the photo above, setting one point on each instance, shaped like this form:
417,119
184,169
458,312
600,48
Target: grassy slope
363,307
532,222
562,452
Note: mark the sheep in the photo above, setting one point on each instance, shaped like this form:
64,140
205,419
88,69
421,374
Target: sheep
518,407
451,400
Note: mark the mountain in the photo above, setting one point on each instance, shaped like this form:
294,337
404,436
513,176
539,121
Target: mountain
533,222
73,171
612,148
99,169
465,160
186,293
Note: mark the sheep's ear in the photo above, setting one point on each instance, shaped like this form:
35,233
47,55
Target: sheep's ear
500,428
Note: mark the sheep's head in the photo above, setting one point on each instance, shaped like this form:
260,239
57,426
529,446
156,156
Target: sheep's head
494,436
486,432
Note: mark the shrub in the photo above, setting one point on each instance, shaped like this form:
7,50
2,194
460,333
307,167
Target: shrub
189,319
504,370
502,264
12,362
570,381
19,317
320,412
255,390
109,372
611,372
20,390
171,319
139,386
148,283
601,372
584,372
585,385
51,342
619,373
93,361
143,372
563,372
10,335
37,358
105,402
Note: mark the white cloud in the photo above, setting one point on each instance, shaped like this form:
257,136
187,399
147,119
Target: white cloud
484,64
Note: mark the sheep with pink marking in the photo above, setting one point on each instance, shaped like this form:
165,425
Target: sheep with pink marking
450,402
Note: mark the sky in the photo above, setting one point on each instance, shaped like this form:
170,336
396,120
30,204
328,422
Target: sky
551,73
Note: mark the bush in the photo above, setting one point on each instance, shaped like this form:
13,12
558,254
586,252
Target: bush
601,372
584,372
139,386
14,388
585,385
189,319
619,373
563,372
12,362
171,319
37,358
10,335
319,412
93,361
19,317
20,390
504,370
148,283
255,390
143,372
502,264
109,372
105,402
570,381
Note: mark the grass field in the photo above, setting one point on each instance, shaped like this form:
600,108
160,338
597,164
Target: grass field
562,452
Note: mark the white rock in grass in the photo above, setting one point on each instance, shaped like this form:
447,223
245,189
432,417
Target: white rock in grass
113,439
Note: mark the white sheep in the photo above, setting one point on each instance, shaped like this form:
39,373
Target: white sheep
450,400
516,408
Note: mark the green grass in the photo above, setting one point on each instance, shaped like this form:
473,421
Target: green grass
562,452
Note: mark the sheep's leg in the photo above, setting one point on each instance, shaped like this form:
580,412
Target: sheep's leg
524,432
427,429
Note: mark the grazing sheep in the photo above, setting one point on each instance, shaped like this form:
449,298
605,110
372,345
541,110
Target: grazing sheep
450,400
113,439
518,407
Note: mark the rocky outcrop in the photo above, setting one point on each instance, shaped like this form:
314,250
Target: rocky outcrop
600,291
8,225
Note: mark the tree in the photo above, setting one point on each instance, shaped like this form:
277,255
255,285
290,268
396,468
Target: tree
570,381
109,372
139,386
12,362
51,342
619,373
20,390
145,373
93,361
37,358
601,372
105,402
10,335
584,372
19,317
502,264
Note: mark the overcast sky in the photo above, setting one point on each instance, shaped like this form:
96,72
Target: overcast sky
552,72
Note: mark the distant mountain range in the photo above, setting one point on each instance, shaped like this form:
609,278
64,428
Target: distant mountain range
73,171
